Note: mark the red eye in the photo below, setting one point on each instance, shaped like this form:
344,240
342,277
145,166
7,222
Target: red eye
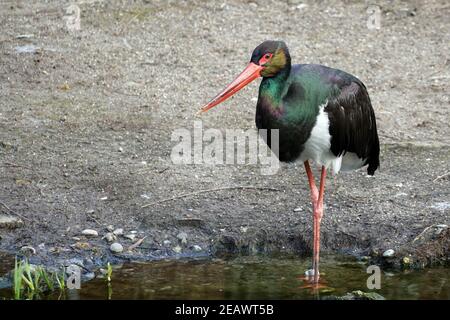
265,58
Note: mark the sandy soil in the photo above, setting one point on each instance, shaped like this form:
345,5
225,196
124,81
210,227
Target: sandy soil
86,122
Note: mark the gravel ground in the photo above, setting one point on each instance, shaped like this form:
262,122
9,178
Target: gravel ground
86,118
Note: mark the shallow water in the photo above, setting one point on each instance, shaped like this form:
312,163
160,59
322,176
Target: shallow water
255,277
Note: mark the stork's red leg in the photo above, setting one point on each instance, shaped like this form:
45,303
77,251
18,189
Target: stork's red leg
312,183
314,199
318,213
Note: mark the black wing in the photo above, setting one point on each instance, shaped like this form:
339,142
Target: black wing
353,126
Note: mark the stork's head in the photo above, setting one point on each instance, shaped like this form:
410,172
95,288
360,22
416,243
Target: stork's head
267,60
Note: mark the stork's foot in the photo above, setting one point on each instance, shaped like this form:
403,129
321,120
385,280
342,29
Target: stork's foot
309,276
309,282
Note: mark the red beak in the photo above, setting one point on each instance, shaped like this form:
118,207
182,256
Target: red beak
250,73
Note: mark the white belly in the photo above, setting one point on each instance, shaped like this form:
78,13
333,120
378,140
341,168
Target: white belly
317,148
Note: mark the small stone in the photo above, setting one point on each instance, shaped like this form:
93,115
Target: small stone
116,247
167,243
132,237
88,276
388,253
309,273
89,233
76,238
299,209
182,236
243,229
10,222
110,237
120,149
118,232
91,211
301,6
177,249
110,228
406,260
196,248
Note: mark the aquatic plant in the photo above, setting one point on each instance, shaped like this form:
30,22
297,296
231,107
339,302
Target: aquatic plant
109,271
29,280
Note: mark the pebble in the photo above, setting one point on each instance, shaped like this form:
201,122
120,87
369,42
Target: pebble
299,209
110,237
88,276
182,236
244,229
309,273
89,232
177,249
10,222
110,228
118,232
167,243
388,253
116,247
132,237
406,260
196,248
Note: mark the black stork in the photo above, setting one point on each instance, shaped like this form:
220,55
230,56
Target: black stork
322,114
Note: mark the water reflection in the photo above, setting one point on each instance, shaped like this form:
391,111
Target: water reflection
256,277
